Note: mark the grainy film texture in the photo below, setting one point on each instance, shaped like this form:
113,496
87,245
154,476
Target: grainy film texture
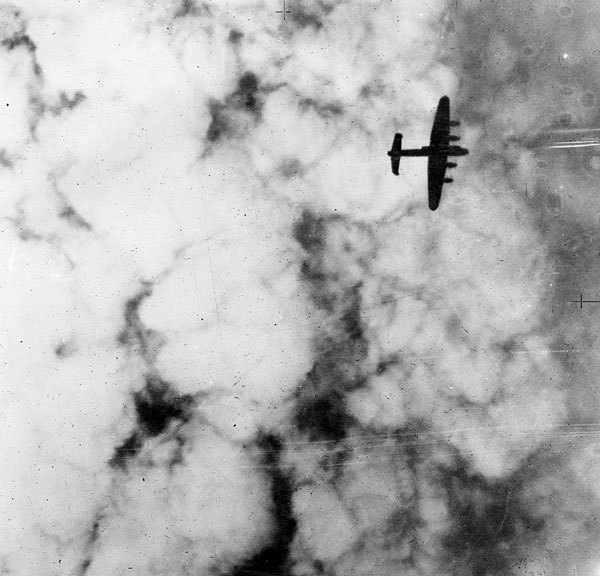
234,343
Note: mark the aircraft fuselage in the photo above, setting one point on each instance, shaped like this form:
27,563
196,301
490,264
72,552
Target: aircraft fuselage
435,151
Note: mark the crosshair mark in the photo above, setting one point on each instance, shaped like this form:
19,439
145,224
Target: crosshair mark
581,301
284,11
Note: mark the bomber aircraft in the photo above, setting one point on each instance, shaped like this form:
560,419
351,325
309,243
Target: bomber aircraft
438,151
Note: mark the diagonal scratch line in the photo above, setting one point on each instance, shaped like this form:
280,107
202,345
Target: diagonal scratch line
505,513
212,276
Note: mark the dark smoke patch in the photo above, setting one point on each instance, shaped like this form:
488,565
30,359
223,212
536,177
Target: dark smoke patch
290,168
19,40
311,14
126,451
135,335
305,19
245,97
70,102
317,279
489,523
65,348
186,8
74,218
158,406
322,416
351,323
274,559
219,124
91,541
235,36
320,409
244,100
324,109
309,232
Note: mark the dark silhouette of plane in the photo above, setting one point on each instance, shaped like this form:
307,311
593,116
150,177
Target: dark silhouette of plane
438,151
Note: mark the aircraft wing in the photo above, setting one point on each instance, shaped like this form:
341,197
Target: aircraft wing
436,170
440,133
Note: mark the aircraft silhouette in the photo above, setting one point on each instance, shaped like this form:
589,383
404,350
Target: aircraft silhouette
438,151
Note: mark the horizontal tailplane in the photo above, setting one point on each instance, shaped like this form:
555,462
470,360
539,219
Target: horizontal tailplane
448,180
454,123
395,153
450,164
453,138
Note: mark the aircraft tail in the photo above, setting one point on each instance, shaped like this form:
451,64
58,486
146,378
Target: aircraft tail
397,144
395,153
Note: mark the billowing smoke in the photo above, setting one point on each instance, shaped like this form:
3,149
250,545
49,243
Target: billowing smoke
233,343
